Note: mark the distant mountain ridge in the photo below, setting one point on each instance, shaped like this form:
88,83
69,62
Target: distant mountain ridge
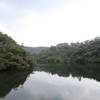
35,50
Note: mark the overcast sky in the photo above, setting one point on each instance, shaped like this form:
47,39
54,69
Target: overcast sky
49,22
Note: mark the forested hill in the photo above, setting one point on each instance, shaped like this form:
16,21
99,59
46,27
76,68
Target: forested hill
12,55
35,50
84,52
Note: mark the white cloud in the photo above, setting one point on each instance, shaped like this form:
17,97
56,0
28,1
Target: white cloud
3,29
75,22
3,6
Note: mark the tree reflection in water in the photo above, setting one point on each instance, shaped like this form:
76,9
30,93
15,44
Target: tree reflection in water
11,80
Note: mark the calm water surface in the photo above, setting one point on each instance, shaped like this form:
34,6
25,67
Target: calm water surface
41,85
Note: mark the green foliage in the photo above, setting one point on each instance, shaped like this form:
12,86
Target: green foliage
12,55
85,52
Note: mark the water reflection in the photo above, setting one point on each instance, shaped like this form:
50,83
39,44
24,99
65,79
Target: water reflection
76,70
45,86
51,82
11,80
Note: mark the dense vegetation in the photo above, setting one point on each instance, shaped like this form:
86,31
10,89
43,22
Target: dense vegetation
12,55
85,52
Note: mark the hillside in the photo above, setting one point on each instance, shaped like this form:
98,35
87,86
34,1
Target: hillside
35,50
84,52
12,55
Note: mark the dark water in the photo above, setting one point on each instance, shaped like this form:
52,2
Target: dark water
50,83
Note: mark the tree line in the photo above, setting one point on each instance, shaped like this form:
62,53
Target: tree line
84,52
12,55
